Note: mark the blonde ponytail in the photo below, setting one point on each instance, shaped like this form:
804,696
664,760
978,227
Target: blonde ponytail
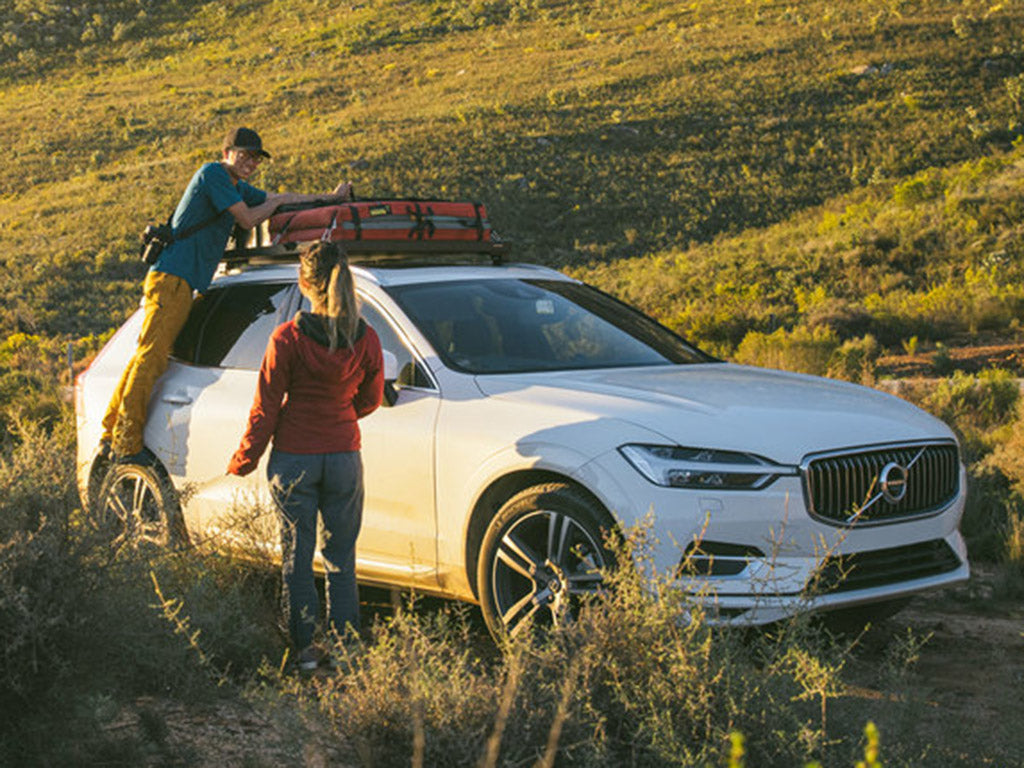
334,307
324,268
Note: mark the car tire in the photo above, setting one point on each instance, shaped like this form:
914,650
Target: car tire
542,555
139,506
100,468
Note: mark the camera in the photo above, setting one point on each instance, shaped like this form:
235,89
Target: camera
155,238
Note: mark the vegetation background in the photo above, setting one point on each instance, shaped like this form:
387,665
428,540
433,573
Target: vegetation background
829,187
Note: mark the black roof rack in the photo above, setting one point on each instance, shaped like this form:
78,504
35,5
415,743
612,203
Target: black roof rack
391,252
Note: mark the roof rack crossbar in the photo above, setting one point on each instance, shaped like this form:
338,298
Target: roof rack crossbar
373,251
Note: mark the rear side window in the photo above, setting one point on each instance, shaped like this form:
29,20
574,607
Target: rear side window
229,327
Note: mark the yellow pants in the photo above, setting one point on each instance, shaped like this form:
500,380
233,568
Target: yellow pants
167,300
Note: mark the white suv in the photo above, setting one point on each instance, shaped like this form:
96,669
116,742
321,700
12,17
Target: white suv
533,413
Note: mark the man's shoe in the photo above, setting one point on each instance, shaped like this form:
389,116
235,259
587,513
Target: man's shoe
143,458
105,452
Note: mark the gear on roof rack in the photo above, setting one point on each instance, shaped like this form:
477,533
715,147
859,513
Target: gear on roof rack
391,220
372,230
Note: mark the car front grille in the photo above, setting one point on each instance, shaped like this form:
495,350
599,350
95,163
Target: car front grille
864,570
882,485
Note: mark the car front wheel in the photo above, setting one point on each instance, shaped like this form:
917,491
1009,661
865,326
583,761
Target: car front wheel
542,555
139,505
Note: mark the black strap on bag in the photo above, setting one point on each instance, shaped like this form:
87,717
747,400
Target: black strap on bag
423,222
357,223
478,224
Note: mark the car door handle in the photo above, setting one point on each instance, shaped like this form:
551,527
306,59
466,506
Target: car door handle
177,399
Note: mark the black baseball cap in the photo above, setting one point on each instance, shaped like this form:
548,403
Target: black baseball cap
245,138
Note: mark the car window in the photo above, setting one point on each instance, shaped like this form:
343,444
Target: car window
410,370
512,326
229,327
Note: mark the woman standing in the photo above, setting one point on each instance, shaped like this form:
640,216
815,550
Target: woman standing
321,372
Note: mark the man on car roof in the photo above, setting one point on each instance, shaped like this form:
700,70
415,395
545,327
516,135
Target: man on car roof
218,197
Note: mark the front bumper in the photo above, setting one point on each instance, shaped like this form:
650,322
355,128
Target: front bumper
753,557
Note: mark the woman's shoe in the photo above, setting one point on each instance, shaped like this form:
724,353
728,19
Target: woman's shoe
309,658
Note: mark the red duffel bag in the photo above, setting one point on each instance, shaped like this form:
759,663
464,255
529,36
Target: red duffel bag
384,220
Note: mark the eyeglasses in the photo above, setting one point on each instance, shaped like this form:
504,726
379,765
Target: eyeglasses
252,157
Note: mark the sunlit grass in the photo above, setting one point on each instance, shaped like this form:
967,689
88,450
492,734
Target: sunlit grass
596,132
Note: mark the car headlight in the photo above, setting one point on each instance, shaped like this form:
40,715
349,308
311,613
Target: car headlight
705,468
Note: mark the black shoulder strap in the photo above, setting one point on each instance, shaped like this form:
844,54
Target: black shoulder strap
189,231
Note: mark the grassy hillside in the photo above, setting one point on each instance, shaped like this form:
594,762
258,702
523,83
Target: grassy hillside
929,258
595,131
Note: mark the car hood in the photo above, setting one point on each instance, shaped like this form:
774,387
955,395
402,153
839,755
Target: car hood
779,415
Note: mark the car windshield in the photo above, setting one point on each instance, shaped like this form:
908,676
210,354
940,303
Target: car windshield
516,326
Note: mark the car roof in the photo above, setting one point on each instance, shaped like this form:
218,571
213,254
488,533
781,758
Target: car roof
395,275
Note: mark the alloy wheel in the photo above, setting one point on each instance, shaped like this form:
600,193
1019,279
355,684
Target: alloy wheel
134,502
545,565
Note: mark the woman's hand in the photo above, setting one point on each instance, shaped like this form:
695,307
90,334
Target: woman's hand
241,465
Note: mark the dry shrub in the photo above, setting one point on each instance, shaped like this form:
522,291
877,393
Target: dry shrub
627,683
982,410
77,618
1008,456
980,401
854,360
805,350
1002,528
847,319
1011,582
37,594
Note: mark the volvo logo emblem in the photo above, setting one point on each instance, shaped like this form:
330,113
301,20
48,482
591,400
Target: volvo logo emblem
893,482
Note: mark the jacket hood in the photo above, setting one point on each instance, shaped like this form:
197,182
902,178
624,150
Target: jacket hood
315,350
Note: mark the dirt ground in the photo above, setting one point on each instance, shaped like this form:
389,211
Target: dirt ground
958,658
981,353
974,660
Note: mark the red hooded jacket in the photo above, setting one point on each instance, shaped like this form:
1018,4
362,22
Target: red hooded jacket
309,398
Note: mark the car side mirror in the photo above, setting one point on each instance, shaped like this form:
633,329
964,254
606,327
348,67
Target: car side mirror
390,374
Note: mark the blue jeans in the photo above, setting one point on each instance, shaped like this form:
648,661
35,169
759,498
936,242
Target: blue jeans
303,485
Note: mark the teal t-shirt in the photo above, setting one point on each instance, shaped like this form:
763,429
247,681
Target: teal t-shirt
195,258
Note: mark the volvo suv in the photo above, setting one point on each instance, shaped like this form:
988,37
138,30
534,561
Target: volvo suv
529,415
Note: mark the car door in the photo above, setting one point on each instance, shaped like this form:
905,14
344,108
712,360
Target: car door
398,540
200,408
